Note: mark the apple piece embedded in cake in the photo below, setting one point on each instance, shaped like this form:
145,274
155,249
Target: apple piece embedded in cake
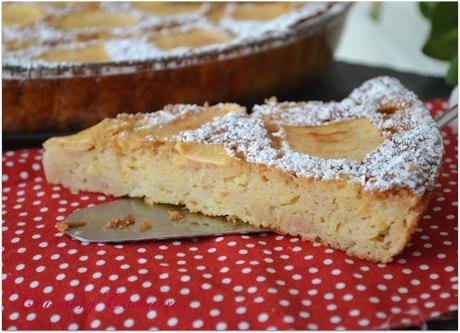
21,14
350,139
193,38
168,8
93,18
260,11
91,53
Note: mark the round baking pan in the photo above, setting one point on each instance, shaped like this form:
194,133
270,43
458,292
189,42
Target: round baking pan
70,97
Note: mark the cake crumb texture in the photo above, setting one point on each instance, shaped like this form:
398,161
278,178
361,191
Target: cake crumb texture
121,223
146,225
65,225
175,215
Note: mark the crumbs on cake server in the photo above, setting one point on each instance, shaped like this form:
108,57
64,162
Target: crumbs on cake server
66,225
121,223
145,226
175,215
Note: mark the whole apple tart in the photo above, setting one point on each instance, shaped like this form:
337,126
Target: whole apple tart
67,66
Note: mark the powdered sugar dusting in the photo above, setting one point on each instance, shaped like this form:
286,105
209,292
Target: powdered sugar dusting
239,133
282,23
365,101
410,159
410,156
169,114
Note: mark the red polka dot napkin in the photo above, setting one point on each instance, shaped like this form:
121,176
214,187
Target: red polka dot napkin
266,281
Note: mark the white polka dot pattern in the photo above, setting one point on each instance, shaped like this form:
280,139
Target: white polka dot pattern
265,281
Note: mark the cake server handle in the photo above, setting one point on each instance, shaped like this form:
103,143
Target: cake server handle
152,222
446,117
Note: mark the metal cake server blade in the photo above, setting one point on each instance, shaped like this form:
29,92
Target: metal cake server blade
190,225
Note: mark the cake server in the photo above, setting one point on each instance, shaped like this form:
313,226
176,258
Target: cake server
445,118
190,225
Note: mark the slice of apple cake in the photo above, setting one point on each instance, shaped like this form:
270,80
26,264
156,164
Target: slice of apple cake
355,174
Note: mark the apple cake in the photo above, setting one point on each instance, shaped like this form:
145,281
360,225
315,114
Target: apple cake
66,65
355,174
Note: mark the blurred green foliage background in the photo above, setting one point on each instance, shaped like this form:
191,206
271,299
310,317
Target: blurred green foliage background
442,43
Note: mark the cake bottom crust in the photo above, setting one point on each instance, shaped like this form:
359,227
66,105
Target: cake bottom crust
374,226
